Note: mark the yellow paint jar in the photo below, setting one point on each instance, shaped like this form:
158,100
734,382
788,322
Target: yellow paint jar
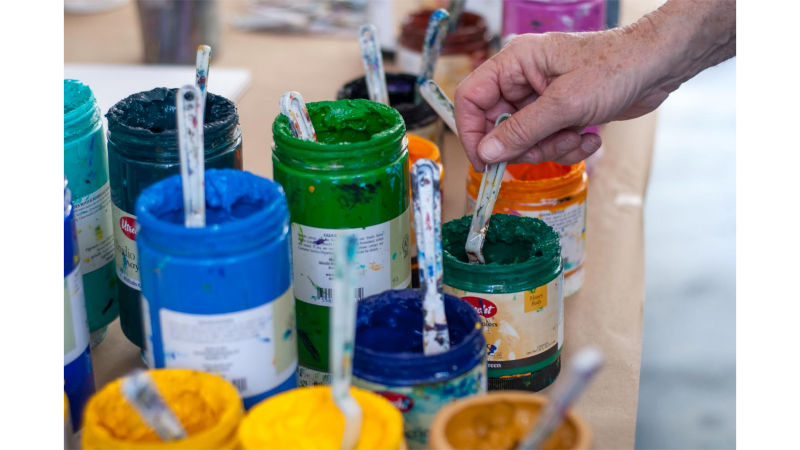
307,418
208,407
421,148
551,192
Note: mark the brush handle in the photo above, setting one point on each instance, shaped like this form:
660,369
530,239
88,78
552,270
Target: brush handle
142,393
202,67
456,9
372,59
431,48
439,102
191,152
294,108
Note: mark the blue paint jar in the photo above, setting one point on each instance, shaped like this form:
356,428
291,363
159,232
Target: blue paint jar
219,299
389,359
86,169
78,376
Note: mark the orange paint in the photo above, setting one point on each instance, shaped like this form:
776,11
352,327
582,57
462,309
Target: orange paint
551,192
311,189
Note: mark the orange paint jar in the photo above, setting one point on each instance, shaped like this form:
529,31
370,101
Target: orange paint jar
555,194
421,148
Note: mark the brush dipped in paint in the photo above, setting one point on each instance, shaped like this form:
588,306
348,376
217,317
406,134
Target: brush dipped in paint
487,196
294,108
142,393
456,9
431,48
343,337
191,152
372,59
202,66
438,101
427,201
583,367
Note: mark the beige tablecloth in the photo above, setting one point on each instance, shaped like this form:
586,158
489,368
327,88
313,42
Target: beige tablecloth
607,312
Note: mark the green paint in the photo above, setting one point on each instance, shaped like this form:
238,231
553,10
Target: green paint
521,253
356,176
86,169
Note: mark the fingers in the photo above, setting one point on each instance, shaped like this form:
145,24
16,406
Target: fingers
562,147
525,130
590,143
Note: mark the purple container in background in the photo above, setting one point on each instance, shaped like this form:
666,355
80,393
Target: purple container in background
541,16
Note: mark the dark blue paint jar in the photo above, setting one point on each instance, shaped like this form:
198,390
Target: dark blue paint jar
389,359
78,375
219,298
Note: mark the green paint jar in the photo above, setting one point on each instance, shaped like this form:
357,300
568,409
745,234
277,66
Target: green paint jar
86,169
354,180
517,293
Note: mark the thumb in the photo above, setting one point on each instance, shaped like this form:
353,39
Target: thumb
522,131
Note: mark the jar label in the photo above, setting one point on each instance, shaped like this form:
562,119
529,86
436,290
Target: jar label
309,377
76,324
126,252
93,224
567,218
420,403
521,328
254,349
383,260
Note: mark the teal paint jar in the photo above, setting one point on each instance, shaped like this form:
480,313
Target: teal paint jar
86,169
517,293
142,150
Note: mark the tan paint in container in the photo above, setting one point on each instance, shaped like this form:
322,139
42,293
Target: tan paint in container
499,421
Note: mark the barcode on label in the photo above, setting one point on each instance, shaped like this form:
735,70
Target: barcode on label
240,383
326,294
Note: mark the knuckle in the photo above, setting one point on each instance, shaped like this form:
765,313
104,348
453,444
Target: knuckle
516,133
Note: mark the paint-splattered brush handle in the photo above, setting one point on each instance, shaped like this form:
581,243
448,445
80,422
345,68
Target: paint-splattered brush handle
427,202
431,48
373,64
294,108
142,393
191,151
456,9
487,196
343,337
437,99
584,366
202,67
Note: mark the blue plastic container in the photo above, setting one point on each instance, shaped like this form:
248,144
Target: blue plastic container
219,299
389,359
78,376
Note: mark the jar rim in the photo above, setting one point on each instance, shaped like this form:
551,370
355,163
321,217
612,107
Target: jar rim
224,188
81,111
471,34
414,368
414,115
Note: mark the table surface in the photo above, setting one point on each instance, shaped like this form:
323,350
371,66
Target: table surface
606,312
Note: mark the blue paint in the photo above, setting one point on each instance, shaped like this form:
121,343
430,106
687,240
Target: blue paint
78,376
389,358
228,285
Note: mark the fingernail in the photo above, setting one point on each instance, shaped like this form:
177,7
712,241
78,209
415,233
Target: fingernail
588,146
491,149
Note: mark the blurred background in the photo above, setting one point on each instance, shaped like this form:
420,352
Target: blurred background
688,376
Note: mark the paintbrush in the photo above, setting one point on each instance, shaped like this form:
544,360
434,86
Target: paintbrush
202,67
487,196
438,101
142,393
456,9
372,59
294,108
343,334
191,151
431,48
428,224
583,367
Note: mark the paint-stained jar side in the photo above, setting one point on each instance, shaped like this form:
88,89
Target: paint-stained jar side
355,181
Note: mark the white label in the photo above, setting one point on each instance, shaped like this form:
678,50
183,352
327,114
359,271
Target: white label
254,349
147,327
382,262
76,325
95,229
127,255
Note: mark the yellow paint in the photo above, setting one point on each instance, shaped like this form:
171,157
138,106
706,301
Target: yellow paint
208,407
87,260
307,418
311,189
